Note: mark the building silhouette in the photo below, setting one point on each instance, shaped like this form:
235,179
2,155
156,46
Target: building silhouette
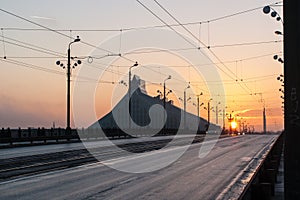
117,120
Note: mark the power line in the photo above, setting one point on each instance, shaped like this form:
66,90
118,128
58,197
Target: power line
49,29
197,48
51,52
61,33
40,49
142,27
219,60
31,66
194,37
149,10
107,70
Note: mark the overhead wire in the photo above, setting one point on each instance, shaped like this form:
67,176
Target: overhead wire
212,52
27,65
52,30
107,30
142,27
33,48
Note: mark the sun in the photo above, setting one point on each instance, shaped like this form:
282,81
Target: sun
233,125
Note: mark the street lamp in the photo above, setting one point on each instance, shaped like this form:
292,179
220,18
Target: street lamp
264,112
208,112
129,93
268,9
217,113
184,104
168,78
164,98
198,104
129,81
230,120
278,33
223,115
276,57
68,128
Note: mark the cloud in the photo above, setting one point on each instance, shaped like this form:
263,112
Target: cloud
43,18
243,111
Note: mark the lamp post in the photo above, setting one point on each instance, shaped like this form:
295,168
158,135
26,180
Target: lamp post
230,120
68,128
224,118
129,93
164,99
198,104
208,112
264,112
184,104
217,113
168,78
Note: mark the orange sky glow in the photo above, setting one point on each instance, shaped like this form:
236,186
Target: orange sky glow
238,70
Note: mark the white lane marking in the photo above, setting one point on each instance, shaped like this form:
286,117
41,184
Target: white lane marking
128,180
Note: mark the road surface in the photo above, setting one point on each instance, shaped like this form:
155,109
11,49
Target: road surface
190,177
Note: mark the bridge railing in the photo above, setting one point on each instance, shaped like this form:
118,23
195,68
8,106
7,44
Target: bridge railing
262,183
29,136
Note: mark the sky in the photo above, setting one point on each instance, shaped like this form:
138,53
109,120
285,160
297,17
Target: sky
238,70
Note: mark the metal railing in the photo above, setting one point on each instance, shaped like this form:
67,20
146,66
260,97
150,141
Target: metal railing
262,183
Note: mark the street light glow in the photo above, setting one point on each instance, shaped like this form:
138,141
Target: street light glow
233,125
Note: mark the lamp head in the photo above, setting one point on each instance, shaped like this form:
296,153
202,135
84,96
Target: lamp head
135,64
77,39
266,9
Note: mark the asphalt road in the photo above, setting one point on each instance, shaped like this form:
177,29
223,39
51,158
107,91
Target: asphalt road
189,177
53,148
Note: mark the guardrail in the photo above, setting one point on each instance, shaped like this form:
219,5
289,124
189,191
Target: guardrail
33,136
261,184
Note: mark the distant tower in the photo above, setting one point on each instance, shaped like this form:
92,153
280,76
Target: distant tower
264,121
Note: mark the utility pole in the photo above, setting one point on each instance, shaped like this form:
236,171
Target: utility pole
130,93
208,113
223,119
198,104
291,11
230,119
217,113
184,105
68,128
164,98
264,121
263,113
